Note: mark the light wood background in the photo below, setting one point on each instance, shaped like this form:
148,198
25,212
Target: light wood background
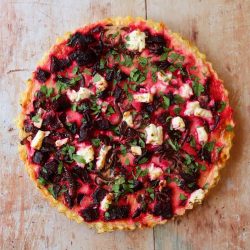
220,28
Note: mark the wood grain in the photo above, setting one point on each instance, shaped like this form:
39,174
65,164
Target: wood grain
220,28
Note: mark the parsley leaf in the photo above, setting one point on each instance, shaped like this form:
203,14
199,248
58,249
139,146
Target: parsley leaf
183,197
143,61
78,159
97,77
60,167
222,106
173,144
209,146
96,142
198,88
229,127
123,150
166,102
110,110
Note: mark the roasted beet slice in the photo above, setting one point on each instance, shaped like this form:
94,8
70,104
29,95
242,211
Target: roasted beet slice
82,173
138,185
102,124
49,170
156,44
51,122
42,75
39,157
118,212
61,104
83,58
163,209
118,92
71,183
84,133
137,213
48,145
99,194
91,213
79,39
205,155
57,64
29,127
79,198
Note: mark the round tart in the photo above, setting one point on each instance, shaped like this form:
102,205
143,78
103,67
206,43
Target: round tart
124,124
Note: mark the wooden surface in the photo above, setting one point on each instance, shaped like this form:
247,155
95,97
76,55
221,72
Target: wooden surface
220,28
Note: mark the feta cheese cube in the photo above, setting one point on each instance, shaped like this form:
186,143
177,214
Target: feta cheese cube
107,200
185,91
136,150
204,113
37,141
87,153
154,172
164,77
190,108
136,40
202,134
178,123
61,142
100,82
154,134
81,94
102,156
143,97
127,117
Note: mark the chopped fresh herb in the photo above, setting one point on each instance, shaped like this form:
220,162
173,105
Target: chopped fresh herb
140,172
110,110
78,159
68,150
128,61
90,166
61,86
143,61
188,159
206,186
143,160
137,76
127,162
173,144
60,167
172,68
51,191
178,99
198,88
115,35
97,77
229,127
202,167
75,70
209,146
192,142
177,110
107,214
96,108
141,142
177,181
102,64
123,150
42,181
96,142
36,118
166,102
219,149
47,91
222,106
183,197
130,97
87,72
74,106
82,107
154,77
151,193
164,56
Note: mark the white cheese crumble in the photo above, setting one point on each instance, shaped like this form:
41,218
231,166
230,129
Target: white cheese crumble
61,142
136,150
164,77
154,172
202,134
37,141
136,40
100,82
178,123
128,118
102,156
204,113
87,153
81,94
143,97
107,200
154,134
193,108
185,91
197,196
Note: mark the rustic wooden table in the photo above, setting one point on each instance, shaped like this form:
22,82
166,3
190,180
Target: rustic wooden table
220,28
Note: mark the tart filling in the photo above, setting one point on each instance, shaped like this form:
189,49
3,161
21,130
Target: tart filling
123,125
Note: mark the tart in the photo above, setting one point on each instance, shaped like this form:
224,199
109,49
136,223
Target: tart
124,124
